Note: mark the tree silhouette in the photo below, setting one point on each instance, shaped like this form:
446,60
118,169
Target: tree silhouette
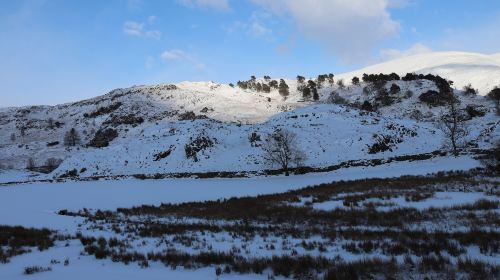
281,148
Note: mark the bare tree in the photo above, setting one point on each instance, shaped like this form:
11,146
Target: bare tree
280,148
71,138
51,164
492,159
494,95
13,137
453,125
22,129
30,165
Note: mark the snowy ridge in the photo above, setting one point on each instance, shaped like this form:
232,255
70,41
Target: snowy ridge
480,70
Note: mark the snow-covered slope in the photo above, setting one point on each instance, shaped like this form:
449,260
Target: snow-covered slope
155,125
480,70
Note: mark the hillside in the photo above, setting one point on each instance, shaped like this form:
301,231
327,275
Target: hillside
480,70
199,127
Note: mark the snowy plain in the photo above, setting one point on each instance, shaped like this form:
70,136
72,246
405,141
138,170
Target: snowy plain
36,205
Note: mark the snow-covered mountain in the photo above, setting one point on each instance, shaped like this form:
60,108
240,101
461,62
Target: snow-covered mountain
206,127
482,71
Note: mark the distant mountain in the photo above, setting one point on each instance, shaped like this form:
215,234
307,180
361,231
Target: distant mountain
480,70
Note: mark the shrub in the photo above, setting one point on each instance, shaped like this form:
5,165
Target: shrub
474,112
52,144
382,143
335,98
367,106
69,173
103,137
198,144
35,269
469,90
51,164
189,115
254,138
129,119
103,110
395,89
283,88
164,154
434,98
355,81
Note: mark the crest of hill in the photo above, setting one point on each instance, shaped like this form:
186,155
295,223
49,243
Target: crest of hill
480,70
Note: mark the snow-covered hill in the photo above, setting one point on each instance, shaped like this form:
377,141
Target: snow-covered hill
480,70
149,129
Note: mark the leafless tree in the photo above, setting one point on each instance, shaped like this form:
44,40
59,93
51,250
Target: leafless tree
50,123
453,125
492,159
280,148
13,137
51,164
23,132
71,138
494,95
30,165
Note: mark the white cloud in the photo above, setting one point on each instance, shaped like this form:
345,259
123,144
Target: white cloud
390,54
174,55
152,19
133,28
255,27
350,29
153,34
220,5
134,4
182,56
259,30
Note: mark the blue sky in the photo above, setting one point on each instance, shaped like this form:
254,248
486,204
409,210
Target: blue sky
55,51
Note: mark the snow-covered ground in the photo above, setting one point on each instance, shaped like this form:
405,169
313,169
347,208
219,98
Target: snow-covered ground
37,203
229,115
480,70
438,200
86,267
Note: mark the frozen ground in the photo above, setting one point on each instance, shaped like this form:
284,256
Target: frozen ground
86,267
36,203
437,200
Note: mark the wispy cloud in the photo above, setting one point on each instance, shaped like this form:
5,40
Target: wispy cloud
219,5
138,29
256,27
133,28
182,56
134,4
